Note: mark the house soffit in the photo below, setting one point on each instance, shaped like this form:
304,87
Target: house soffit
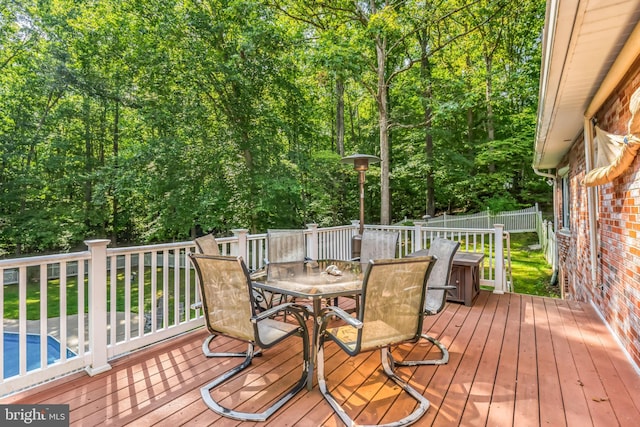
581,40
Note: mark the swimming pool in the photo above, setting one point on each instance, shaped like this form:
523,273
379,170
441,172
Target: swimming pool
12,356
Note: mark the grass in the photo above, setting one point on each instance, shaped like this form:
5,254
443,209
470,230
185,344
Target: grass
11,297
531,273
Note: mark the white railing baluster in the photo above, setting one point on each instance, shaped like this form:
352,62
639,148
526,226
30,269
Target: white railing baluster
22,319
82,346
113,286
43,315
176,287
62,307
127,297
141,295
165,289
154,290
187,287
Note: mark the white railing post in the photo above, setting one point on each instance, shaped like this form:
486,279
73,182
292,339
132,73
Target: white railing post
417,238
312,244
97,306
499,276
242,249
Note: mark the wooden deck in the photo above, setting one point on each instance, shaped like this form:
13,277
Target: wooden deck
516,360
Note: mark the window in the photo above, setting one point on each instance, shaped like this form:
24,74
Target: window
566,202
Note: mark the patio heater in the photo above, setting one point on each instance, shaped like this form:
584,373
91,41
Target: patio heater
360,163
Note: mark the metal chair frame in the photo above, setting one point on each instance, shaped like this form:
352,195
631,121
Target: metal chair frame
284,330
355,347
436,296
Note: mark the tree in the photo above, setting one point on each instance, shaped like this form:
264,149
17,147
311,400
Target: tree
151,120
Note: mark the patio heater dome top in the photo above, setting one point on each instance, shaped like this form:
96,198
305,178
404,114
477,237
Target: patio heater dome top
360,162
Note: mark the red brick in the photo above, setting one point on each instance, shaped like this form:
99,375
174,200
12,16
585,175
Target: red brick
618,207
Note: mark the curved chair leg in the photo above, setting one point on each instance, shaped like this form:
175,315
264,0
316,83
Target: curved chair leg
208,353
421,409
442,361
205,391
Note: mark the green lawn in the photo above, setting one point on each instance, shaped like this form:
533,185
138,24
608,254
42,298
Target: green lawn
53,295
531,273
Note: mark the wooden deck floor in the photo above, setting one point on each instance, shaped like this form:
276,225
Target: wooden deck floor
516,360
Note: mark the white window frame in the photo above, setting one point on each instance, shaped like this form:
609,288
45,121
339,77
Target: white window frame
566,198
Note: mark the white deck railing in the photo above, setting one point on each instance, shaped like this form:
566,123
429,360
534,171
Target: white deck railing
111,301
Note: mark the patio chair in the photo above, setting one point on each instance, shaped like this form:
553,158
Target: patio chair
286,256
285,247
208,245
375,244
393,294
436,295
230,311
378,244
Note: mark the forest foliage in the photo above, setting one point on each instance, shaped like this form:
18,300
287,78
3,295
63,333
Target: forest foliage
157,120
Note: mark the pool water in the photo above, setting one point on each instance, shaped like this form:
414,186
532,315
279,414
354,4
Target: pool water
12,356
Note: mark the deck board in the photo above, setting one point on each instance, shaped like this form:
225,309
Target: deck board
550,393
476,410
515,360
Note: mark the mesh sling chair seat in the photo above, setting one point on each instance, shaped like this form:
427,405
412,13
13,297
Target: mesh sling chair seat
436,295
393,294
378,244
229,311
208,245
286,256
375,244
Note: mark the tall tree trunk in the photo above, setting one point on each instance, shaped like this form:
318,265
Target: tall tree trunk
116,141
340,116
488,98
425,72
469,109
383,119
88,160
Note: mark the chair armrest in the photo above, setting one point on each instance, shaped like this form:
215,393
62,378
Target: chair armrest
333,310
257,274
442,288
290,307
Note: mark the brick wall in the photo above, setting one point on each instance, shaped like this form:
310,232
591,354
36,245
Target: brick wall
616,289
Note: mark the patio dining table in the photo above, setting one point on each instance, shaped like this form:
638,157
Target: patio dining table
322,280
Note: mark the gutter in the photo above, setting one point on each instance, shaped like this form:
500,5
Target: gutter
556,257
548,38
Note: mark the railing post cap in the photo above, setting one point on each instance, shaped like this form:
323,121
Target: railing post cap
312,225
237,231
97,242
